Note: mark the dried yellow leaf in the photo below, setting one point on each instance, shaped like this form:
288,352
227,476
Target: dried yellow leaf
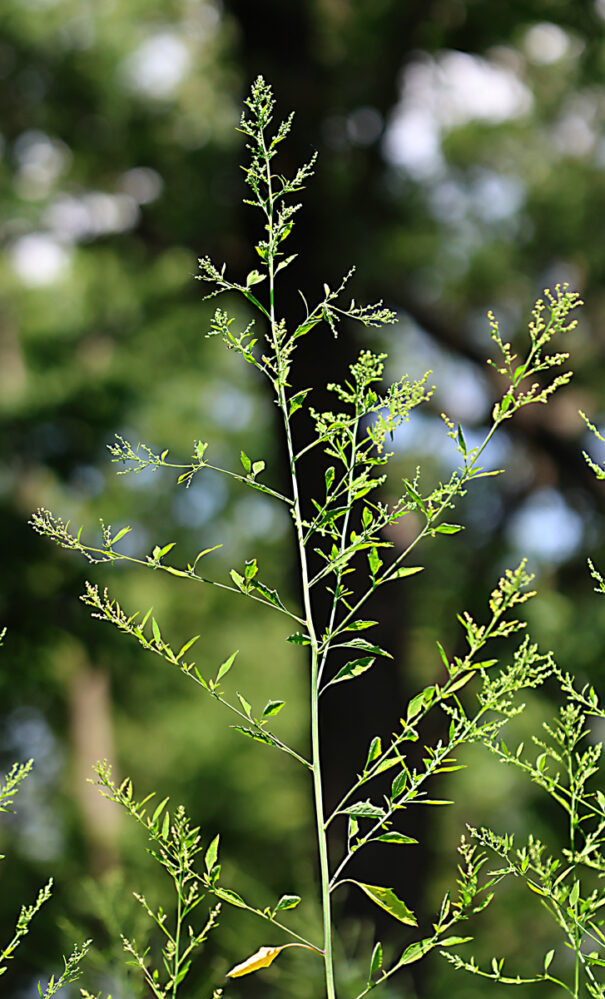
261,959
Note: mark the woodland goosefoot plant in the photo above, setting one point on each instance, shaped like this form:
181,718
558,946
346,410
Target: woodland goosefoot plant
341,547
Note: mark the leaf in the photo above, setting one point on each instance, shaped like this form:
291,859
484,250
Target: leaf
298,638
226,666
364,810
258,467
255,734
245,462
375,962
548,959
373,752
238,580
387,900
187,646
447,529
244,703
120,535
355,668
156,631
271,595
361,643
272,708
304,328
406,571
329,477
254,278
287,902
262,958
420,702
399,784
230,896
396,837
454,941
359,625
211,855
574,893
159,810
297,400
416,950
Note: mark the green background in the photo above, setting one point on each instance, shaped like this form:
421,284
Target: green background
461,168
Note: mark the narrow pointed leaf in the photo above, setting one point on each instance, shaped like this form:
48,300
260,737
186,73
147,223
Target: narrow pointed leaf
375,962
355,668
231,897
388,900
226,666
211,854
396,837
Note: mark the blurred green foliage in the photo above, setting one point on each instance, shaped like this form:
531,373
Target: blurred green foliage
462,167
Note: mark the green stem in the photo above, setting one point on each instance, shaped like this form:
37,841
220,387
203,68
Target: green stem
315,742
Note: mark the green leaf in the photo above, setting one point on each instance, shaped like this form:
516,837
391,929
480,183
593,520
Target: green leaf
406,571
447,529
187,646
244,703
388,900
258,736
305,328
120,535
250,569
254,277
396,837
415,951
287,902
574,893
375,962
245,462
165,826
548,959
355,668
239,581
269,594
298,638
272,708
159,810
373,752
374,561
329,477
230,896
454,941
419,703
258,467
297,400
156,631
399,784
364,810
226,666
359,625
361,643
211,855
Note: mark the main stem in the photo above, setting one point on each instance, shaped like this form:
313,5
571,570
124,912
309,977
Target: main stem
322,844
315,743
